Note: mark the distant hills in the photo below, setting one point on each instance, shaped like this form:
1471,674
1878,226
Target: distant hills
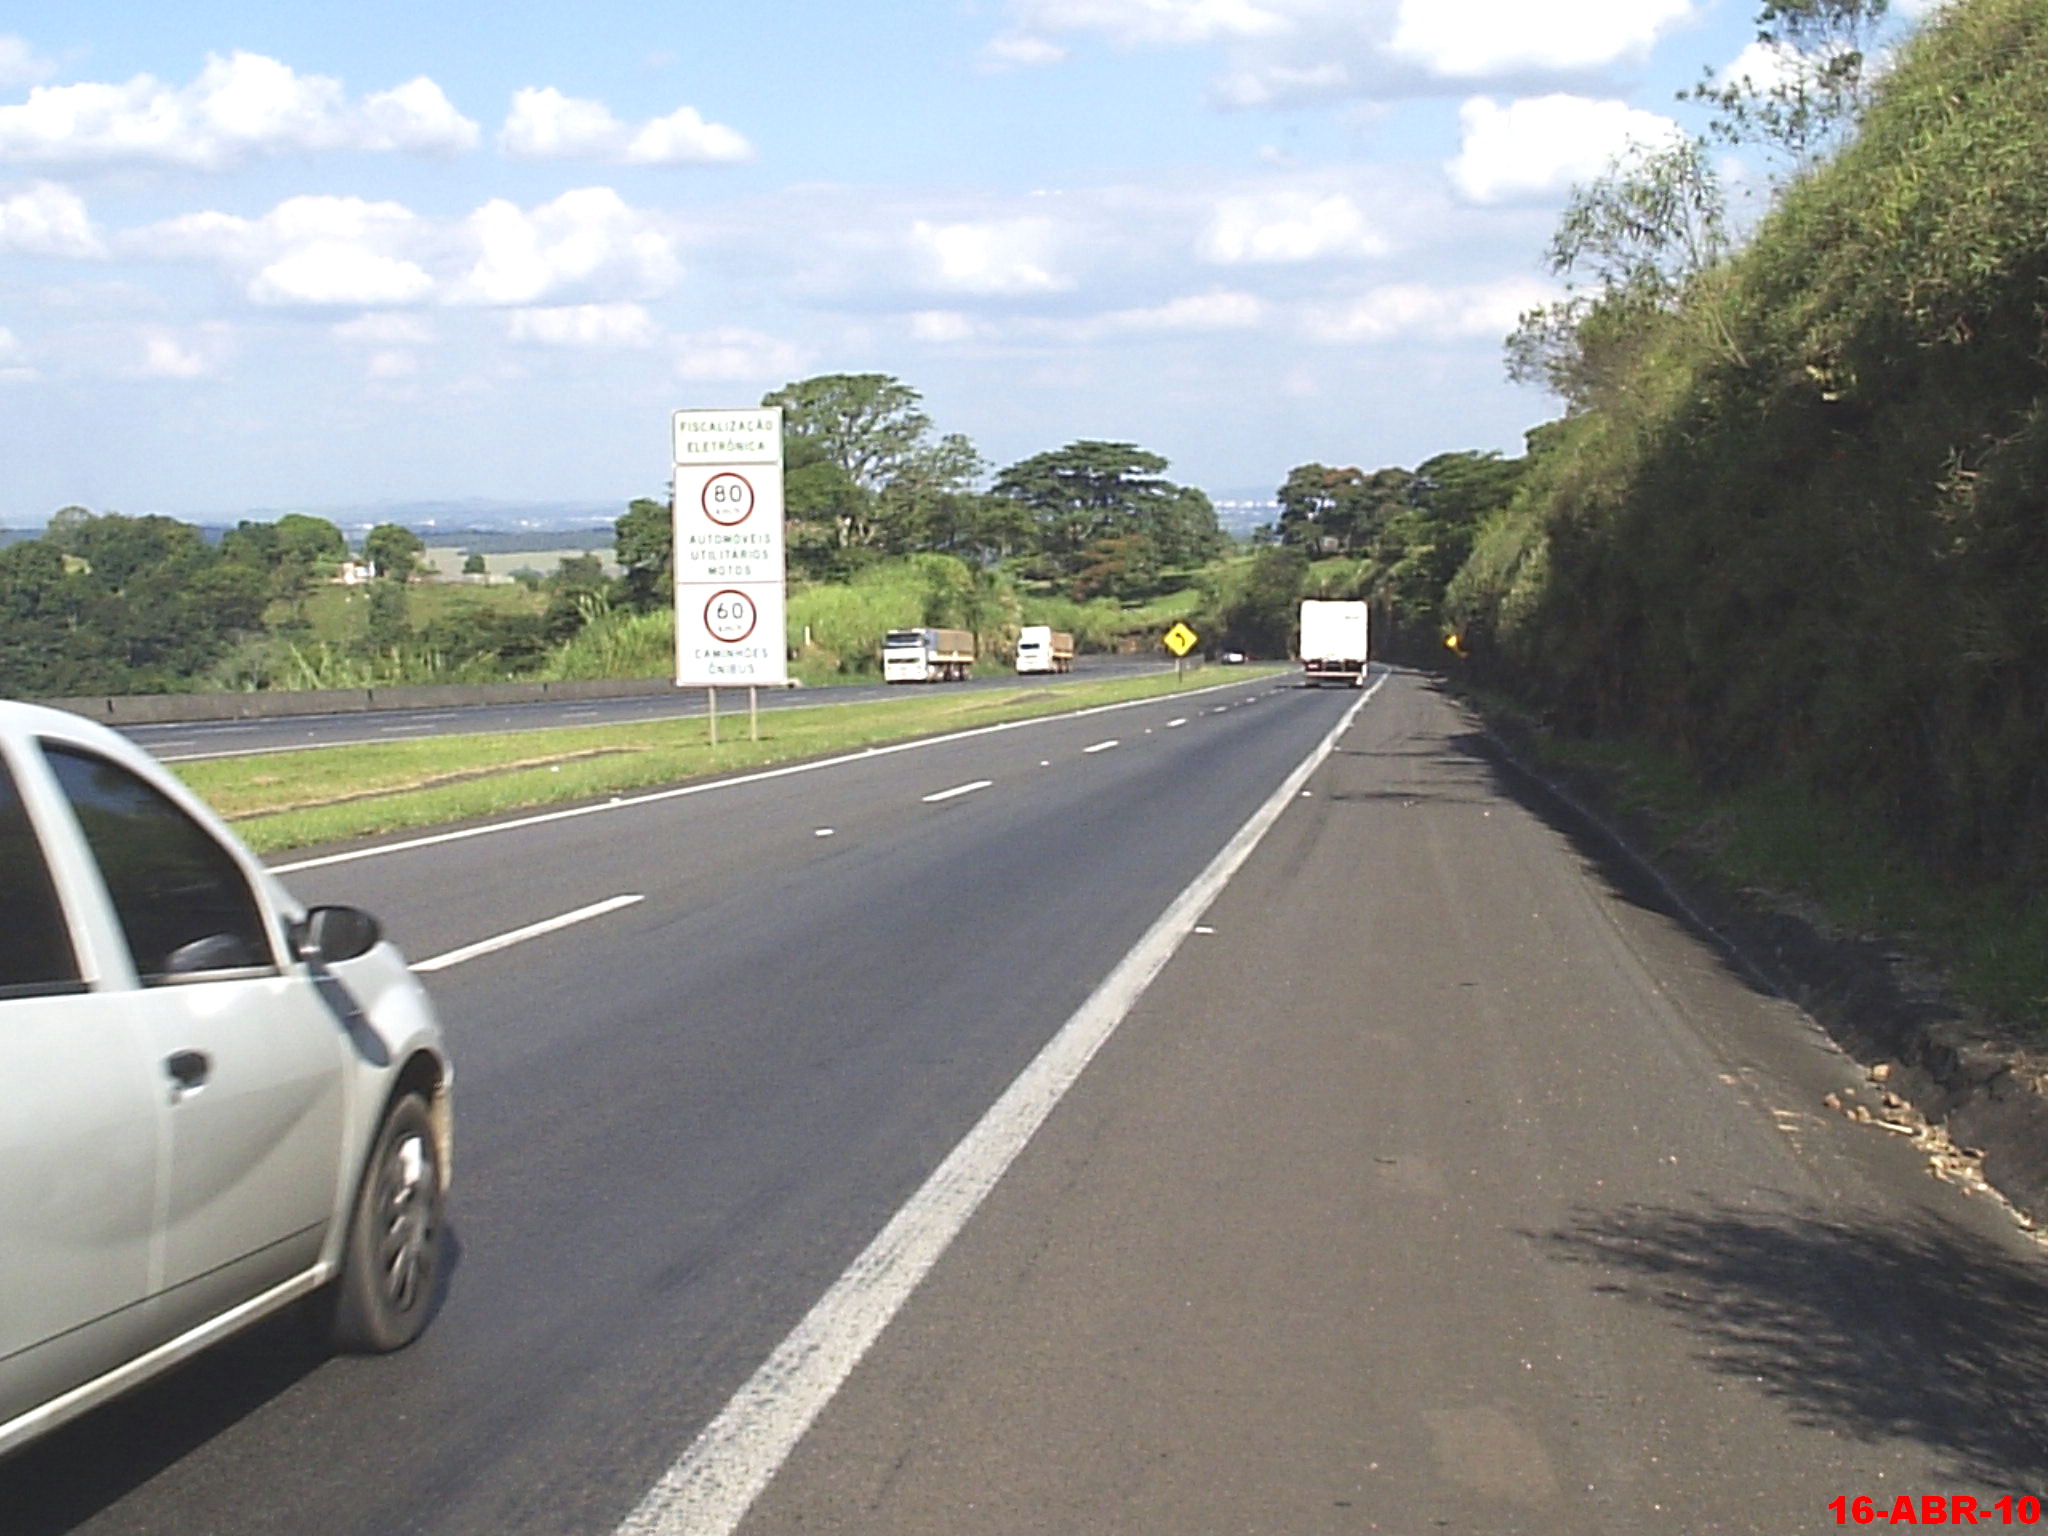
494,522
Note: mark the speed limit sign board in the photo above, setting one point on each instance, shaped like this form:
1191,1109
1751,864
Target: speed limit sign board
729,560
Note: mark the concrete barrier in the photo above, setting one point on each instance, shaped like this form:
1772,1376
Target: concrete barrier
176,708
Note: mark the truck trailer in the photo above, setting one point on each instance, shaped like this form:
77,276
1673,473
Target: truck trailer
927,656
1041,648
1335,643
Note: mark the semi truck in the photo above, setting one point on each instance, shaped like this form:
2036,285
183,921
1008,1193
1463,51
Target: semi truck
1041,648
927,656
1335,643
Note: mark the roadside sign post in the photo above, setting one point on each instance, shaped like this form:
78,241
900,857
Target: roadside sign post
1180,640
730,568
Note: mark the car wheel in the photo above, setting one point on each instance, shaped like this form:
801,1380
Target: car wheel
392,1260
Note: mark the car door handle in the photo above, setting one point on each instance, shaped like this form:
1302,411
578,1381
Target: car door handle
189,1069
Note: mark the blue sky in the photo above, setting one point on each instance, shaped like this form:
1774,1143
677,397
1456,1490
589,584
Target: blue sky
262,256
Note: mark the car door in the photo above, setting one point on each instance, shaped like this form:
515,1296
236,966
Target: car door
250,1062
79,1127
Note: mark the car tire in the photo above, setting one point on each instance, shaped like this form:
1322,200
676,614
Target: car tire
391,1262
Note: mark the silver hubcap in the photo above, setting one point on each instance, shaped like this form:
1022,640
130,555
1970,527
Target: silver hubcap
405,1249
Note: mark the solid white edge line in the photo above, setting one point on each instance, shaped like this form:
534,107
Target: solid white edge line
705,787
711,1487
521,935
957,791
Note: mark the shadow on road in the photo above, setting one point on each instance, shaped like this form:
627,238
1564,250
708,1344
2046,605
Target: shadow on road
1883,1332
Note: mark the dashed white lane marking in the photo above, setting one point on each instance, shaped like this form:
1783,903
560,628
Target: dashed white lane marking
1174,725
957,791
1101,746
704,787
710,1488
521,935
825,832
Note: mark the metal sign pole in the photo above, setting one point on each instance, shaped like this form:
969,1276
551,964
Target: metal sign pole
711,694
754,713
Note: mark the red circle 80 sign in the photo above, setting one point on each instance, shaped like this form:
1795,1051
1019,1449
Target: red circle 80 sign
728,499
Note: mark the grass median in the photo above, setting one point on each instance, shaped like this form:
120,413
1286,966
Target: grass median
289,800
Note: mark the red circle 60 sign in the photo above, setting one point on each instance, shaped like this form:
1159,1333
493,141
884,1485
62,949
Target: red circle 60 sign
731,616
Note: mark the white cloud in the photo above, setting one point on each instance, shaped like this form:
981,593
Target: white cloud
945,327
416,117
1272,85
241,105
606,327
393,364
337,272
197,353
1544,144
684,138
1423,311
386,329
1290,52
1020,50
306,250
1198,312
48,220
998,256
733,354
1133,23
20,64
1470,39
585,237
546,125
347,251
1289,226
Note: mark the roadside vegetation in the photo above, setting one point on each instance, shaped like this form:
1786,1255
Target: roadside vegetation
1785,555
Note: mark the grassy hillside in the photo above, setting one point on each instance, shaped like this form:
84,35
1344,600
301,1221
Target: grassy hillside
1809,539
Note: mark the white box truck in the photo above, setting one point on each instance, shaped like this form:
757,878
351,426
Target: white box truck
1041,648
927,656
1335,642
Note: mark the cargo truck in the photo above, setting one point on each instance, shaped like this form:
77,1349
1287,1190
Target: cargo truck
1041,648
927,656
1335,643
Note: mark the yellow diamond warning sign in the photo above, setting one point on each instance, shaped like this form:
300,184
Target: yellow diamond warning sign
1180,639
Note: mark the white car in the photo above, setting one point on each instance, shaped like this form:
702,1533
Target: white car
216,1103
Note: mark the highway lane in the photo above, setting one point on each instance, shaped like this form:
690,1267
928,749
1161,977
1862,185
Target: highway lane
1443,1180
190,740
681,1118
1449,1183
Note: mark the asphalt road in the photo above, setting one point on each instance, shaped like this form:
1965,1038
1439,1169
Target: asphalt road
187,741
1442,1180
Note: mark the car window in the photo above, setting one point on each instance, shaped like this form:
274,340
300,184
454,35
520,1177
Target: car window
36,957
182,900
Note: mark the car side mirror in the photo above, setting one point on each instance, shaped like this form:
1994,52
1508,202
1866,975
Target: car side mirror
331,934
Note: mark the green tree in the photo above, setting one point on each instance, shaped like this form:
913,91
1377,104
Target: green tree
389,624
1091,491
866,424
393,551
1253,606
474,564
644,544
313,540
1824,56
1635,247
